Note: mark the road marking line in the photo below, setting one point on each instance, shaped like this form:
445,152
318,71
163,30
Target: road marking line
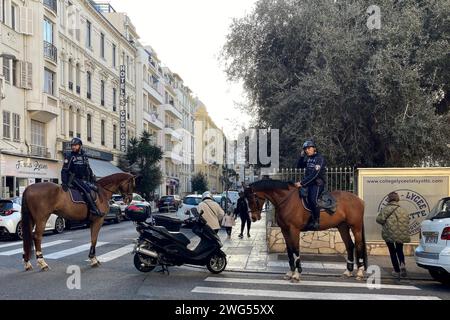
307,295
45,245
309,265
307,283
116,253
12,244
72,251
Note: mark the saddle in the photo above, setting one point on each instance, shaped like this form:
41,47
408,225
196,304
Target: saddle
326,201
77,197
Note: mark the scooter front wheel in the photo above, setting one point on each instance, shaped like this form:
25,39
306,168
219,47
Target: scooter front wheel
143,264
217,263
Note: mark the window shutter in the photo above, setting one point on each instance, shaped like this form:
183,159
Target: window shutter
26,75
29,75
26,21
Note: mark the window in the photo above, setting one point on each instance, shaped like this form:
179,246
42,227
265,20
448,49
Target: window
114,99
7,69
78,123
102,45
63,73
103,132
102,93
71,129
88,34
16,127
13,16
78,78
6,125
48,31
114,136
37,133
114,49
89,128
89,84
49,78
3,11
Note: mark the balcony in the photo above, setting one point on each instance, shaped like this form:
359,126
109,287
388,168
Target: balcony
152,89
50,52
46,111
172,110
39,151
52,5
174,156
152,118
177,137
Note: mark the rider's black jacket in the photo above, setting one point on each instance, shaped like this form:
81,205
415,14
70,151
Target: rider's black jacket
315,169
78,165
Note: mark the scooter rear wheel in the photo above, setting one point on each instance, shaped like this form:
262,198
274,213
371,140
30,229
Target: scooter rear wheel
143,264
217,263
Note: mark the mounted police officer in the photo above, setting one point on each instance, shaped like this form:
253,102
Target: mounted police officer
77,172
315,178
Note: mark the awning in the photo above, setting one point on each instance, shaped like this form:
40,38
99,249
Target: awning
103,168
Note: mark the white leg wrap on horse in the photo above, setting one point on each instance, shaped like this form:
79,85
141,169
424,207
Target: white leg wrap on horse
95,262
42,264
360,274
288,275
296,277
348,273
28,266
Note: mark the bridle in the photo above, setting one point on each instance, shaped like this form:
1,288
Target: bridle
279,204
129,195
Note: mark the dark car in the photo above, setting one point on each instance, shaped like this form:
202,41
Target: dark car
114,214
169,203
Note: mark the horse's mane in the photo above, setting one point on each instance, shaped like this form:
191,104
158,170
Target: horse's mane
268,184
114,178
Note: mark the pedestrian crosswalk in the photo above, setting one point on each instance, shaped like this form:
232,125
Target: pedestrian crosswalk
312,290
60,249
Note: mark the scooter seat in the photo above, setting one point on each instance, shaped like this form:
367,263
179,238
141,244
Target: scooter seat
179,237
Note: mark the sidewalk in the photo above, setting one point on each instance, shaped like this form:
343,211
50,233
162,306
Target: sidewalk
250,255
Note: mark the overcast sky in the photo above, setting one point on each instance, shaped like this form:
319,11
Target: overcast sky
188,36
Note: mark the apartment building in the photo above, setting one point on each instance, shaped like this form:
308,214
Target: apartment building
60,79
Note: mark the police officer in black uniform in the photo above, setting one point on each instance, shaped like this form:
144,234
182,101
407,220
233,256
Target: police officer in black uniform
315,178
77,172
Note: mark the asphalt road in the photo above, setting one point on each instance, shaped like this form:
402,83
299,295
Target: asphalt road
118,279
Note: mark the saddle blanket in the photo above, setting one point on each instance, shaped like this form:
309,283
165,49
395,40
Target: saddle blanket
77,197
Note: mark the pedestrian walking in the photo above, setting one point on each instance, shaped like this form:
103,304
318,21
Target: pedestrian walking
395,222
242,210
212,212
228,223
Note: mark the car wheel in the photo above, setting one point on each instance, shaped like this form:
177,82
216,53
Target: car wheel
118,218
217,263
19,231
59,225
441,276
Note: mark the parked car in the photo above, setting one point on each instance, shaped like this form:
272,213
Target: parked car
168,203
11,219
189,202
433,252
137,199
221,200
232,195
118,199
114,214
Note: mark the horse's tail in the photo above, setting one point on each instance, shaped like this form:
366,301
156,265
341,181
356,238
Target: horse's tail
27,228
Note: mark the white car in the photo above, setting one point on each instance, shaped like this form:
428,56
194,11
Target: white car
10,219
189,202
433,252
137,199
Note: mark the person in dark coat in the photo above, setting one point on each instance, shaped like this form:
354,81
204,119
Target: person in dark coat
76,172
242,210
314,180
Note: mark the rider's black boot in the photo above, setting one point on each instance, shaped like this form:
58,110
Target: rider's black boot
93,207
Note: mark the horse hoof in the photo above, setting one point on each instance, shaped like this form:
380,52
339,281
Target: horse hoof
348,274
287,278
45,269
295,280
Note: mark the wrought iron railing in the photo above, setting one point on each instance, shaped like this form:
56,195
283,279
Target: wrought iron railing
39,151
50,51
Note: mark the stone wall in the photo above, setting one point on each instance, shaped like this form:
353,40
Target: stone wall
325,242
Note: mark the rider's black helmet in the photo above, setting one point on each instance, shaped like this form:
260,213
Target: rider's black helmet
308,144
76,141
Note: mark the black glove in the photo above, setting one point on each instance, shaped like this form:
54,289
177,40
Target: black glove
65,187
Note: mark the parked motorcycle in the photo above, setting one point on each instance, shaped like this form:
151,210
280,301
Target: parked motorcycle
156,246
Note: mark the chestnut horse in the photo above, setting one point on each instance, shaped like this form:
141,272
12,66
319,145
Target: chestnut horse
292,217
42,199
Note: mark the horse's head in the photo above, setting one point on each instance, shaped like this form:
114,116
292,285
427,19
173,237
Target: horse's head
127,188
123,183
255,203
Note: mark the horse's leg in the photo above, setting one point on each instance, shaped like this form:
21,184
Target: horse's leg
293,242
290,253
38,233
344,230
95,229
357,233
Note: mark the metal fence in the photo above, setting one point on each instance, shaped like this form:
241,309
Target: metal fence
343,179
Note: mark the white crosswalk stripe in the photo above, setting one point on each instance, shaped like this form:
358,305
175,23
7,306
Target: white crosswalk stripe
72,251
112,255
246,287
309,265
12,244
44,245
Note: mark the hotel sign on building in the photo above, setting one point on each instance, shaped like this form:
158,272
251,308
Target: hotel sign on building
123,110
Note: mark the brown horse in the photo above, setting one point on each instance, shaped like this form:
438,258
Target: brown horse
42,199
292,217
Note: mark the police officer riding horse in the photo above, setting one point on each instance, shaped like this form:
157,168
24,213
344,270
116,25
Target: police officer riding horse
77,173
314,181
